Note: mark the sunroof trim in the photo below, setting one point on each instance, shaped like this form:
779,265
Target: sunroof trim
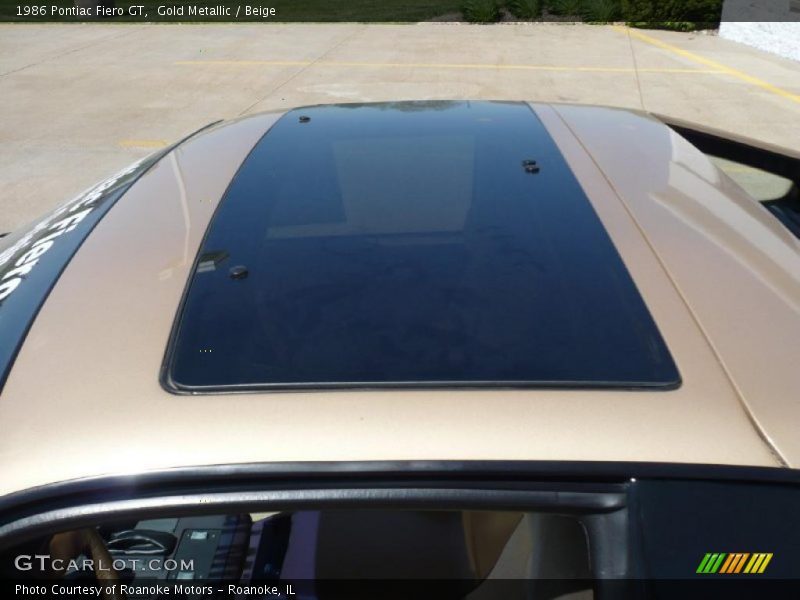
181,389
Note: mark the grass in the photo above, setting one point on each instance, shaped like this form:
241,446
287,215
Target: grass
670,25
565,8
480,11
525,9
602,11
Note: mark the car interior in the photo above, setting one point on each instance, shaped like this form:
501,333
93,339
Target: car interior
767,175
463,548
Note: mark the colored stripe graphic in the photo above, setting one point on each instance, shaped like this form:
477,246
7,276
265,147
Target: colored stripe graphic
711,562
728,563
734,563
758,563
717,563
703,563
739,563
764,564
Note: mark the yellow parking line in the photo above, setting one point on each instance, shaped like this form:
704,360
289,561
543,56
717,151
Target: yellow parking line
142,143
719,67
245,63
299,63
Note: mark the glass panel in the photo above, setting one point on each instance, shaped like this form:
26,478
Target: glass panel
412,244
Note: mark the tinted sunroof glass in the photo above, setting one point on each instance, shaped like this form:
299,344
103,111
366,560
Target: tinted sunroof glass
402,244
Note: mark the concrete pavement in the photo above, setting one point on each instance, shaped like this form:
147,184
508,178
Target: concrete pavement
83,100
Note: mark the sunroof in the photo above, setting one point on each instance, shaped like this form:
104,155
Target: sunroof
411,244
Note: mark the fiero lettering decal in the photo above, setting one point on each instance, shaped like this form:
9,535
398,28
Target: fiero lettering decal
33,261
21,258
31,265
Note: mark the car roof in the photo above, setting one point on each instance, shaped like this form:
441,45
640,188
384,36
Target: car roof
718,274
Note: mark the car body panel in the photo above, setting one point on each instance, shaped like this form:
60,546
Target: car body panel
84,397
736,267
